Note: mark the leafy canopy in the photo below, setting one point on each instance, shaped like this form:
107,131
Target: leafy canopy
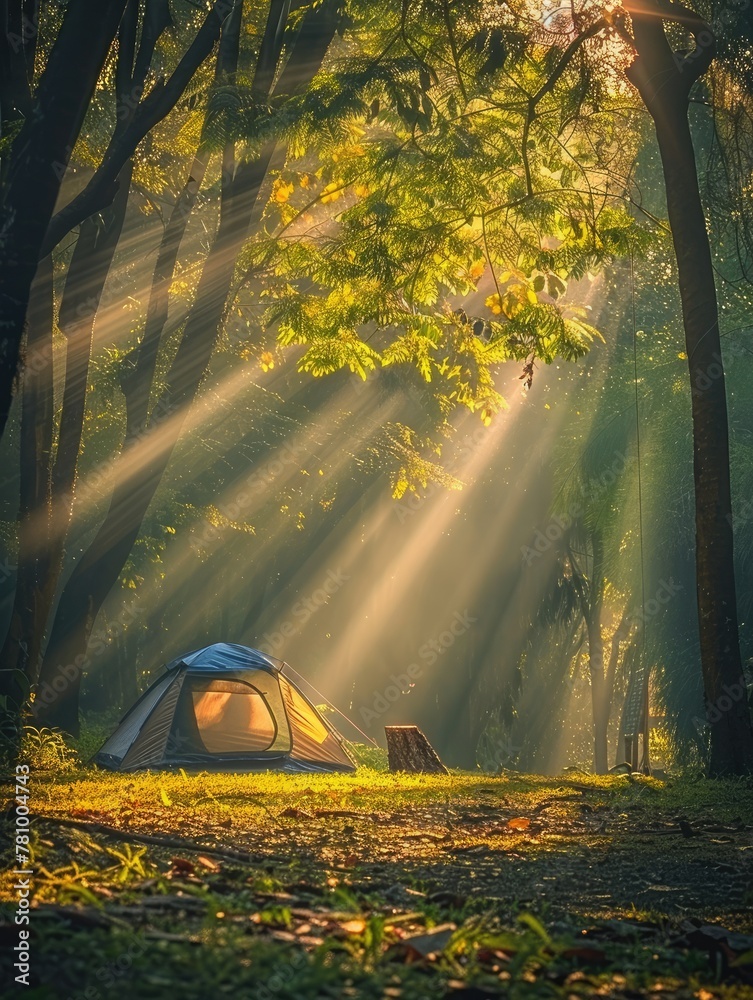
441,191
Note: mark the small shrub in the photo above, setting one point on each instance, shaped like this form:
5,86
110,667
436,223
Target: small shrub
46,750
366,755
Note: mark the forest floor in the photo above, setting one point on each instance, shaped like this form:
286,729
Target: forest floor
378,885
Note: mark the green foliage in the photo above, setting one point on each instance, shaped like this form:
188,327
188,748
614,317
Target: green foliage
46,750
368,756
417,177
130,865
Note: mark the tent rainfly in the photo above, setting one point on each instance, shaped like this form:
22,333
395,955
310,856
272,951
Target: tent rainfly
224,708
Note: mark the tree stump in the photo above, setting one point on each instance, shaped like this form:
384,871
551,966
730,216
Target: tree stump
409,750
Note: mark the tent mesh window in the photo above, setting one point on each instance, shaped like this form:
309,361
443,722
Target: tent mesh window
232,717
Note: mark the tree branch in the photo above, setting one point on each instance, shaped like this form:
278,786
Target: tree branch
548,86
100,190
566,59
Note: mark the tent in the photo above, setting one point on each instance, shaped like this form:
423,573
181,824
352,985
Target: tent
225,708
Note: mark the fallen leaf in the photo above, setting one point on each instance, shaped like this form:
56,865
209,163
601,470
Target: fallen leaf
208,863
518,823
489,955
182,865
354,926
423,946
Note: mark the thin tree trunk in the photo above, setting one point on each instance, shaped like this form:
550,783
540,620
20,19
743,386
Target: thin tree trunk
664,80
592,615
621,634
600,708
631,661
137,374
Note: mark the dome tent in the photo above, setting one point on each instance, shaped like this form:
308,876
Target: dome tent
224,708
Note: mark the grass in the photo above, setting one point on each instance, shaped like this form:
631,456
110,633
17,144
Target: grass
381,885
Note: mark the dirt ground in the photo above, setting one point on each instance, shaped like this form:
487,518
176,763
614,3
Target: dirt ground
379,885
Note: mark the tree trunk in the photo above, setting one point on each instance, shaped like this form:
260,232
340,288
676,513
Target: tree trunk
137,373
85,283
592,601
664,80
40,155
621,634
21,649
409,750
599,703
45,527
18,42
